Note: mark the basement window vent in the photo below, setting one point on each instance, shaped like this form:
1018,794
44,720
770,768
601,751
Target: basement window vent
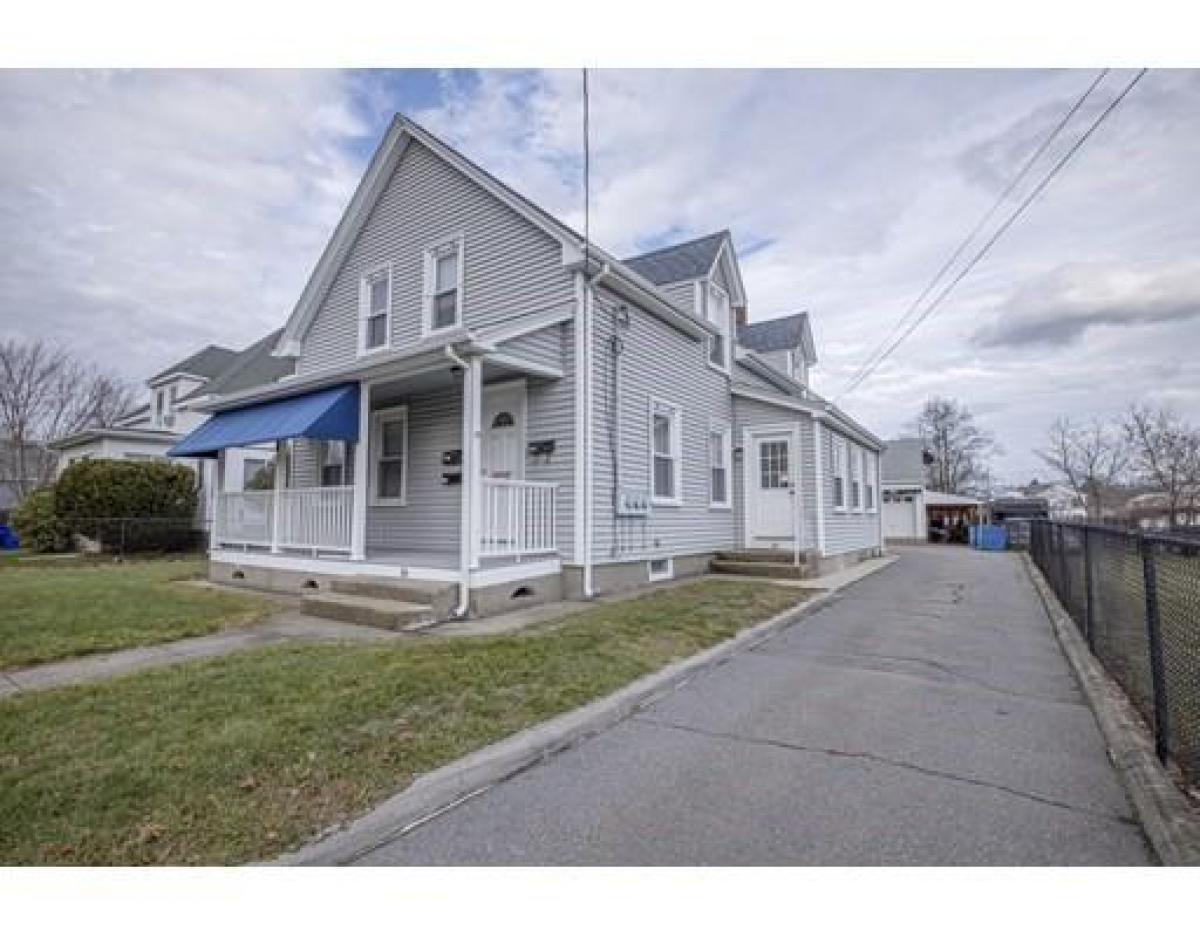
522,592
238,574
310,584
659,569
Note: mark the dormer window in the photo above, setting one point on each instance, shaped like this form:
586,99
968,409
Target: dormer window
443,285
717,312
376,306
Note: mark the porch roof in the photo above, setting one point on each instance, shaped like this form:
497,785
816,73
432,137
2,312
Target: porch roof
331,413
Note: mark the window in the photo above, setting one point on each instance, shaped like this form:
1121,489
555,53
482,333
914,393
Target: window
376,307
443,285
717,312
773,464
665,462
336,459
839,472
254,475
718,466
160,399
659,569
869,471
856,479
389,456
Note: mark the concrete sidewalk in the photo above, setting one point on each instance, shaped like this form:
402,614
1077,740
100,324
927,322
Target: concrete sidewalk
924,716
92,668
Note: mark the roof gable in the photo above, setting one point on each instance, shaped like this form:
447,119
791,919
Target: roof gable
781,334
209,361
674,263
253,366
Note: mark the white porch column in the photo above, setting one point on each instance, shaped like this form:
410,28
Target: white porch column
218,501
472,480
819,478
362,475
276,501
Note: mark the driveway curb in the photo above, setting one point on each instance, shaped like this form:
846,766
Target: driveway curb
1170,821
446,787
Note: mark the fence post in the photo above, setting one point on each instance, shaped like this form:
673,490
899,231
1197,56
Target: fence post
1063,592
1154,634
1089,580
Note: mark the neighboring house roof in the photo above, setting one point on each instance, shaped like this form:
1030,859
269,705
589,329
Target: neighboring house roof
690,260
209,361
137,413
83,437
783,333
903,461
253,366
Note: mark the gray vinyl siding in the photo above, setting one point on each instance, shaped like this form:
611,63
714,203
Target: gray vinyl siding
660,362
510,266
845,530
683,295
753,413
747,377
429,521
545,347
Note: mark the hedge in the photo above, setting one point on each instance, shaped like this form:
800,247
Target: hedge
37,525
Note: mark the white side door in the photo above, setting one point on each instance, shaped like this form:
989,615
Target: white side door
770,491
503,425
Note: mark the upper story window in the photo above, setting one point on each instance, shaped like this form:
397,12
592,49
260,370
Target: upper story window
717,312
376,310
839,472
443,285
666,427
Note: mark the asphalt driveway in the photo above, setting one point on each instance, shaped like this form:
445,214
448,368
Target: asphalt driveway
925,717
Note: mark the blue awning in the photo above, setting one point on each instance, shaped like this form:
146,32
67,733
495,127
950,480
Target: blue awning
323,414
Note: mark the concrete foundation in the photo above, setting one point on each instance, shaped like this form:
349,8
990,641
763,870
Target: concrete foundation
612,578
824,565
521,593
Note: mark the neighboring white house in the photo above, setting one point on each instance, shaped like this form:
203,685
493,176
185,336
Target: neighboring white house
480,398
910,509
148,431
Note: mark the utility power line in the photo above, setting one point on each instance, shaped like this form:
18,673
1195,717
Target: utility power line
1008,222
962,246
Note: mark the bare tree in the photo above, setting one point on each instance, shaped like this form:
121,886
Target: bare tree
1093,458
959,448
45,394
1166,455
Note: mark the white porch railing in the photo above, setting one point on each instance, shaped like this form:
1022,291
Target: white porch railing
309,518
245,517
518,518
316,518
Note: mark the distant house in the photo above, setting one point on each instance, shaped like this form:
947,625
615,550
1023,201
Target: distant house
911,512
149,430
1152,511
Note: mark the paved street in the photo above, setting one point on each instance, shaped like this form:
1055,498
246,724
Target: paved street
927,716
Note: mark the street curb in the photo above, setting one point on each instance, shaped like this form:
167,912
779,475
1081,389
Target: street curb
446,787
1168,818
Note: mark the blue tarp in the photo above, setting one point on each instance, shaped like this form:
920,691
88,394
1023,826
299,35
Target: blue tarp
323,414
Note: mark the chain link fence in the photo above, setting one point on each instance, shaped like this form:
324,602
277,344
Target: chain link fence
1135,598
124,536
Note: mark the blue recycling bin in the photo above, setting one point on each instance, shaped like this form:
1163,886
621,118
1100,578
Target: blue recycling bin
989,537
8,539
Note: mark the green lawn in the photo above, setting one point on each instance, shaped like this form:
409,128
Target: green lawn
244,757
48,613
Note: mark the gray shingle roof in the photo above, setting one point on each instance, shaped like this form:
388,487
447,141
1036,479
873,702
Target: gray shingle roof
250,367
677,262
779,334
207,362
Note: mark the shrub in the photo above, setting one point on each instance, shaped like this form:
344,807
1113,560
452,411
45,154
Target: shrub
129,505
38,526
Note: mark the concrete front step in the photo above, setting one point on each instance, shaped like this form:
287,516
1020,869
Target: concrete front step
758,568
759,556
440,597
365,610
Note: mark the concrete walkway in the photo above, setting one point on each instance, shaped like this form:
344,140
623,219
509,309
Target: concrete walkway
926,716
283,627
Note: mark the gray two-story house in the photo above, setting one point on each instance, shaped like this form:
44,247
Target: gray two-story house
482,400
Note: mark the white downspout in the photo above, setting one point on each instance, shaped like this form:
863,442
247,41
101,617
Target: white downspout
467,513
797,507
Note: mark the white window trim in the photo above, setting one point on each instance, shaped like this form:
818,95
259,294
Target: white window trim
858,477
652,576
676,450
364,309
840,446
726,432
872,478
706,289
378,417
429,281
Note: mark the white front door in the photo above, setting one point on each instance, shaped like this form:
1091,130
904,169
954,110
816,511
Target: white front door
770,491
503,425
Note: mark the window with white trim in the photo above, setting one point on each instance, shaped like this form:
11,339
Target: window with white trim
336,460
719,450
855,478
389,456
869,472
717,312
660,568
666,463
375,310
839,472
443,285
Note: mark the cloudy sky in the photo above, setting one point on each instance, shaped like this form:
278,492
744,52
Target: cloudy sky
148,213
